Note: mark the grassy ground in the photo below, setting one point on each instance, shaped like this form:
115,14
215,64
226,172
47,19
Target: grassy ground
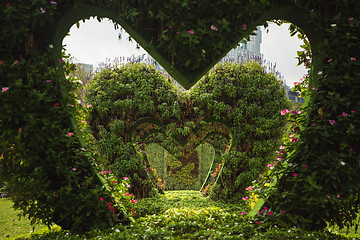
186,215
10,224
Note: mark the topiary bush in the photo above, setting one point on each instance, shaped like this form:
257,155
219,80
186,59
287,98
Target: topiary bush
249,99
230,93
30,55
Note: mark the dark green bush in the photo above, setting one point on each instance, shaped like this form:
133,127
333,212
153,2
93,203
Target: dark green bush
250,101
136,99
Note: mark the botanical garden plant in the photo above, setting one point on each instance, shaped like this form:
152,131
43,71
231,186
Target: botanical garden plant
41,143
134,105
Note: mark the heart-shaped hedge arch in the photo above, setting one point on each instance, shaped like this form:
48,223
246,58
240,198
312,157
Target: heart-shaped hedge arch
134,103
184,169
36,109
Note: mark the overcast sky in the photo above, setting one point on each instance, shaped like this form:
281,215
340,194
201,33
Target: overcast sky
95,41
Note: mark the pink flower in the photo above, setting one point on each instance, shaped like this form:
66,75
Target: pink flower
245,198
244,27
313,124
293,112
42,10
269,213
332,122
312,10
353,111
48,80
283,112
101,199
281,147
297,83
351,18
1,62
282,152
249,188
327,196
53,2
338,196
125,178
294,174
128,186
282,211
84,122
57,104
243,213
329,60
280,158
191,32
305,165
4,89
291,135
214,28
70,134
16,62
115,182
133,201
270,165
89,106
74,169
60,60
344,114
353,59
294,140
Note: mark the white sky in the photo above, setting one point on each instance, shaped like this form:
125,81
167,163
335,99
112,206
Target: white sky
94,42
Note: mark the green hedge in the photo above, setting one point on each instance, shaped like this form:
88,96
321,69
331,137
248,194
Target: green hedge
133,106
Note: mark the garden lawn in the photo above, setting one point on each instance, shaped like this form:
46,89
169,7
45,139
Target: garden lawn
10,224
188,215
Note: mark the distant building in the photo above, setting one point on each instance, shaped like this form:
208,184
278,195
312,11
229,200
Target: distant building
247,50
293,96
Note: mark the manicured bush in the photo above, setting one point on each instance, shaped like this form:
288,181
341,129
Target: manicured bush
188,38
130,99
249,100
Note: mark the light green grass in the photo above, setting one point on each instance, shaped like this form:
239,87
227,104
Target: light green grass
10,224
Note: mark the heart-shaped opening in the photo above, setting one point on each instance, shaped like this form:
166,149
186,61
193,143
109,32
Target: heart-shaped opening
184,157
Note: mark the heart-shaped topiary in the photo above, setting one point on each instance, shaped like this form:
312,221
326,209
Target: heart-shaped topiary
36,111
134,104
182,144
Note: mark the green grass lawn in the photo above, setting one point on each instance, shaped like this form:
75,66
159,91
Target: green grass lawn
174,215
10,224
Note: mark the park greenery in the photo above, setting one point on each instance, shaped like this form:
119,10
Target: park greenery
58,171
235,106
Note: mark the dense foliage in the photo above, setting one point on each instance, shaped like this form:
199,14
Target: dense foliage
249,100
320,182
41,143
187,215
244,97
